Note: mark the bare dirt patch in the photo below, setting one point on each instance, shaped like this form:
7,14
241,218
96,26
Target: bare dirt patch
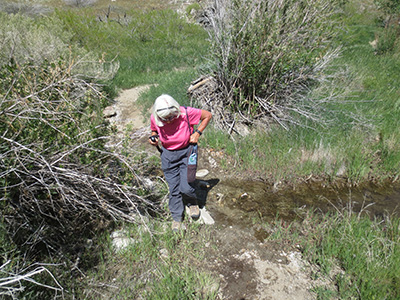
126,112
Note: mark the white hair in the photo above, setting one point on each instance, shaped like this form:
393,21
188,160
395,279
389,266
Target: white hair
165,106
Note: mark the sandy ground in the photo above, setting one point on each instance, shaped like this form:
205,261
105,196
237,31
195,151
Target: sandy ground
249,266
125,111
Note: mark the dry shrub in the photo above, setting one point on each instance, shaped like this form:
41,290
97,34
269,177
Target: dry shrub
58,181
56,174
267,53
25,7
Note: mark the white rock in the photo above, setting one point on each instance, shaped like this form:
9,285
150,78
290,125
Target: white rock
206,217
122,243
212,162
202,173
120,240
109,112
164,253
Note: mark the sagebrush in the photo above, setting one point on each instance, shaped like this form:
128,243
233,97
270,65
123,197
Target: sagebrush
267,53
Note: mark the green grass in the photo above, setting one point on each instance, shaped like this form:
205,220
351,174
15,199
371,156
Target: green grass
157,265
280,155
360,141
150,45
367,251
358,254
174,83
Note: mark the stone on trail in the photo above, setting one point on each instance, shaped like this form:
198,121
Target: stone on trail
121,240
109,112
206,217
202,173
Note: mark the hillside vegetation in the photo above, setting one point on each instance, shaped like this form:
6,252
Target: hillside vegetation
346,124
318,96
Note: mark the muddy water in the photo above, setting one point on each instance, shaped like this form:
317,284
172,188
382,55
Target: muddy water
234,201
241,209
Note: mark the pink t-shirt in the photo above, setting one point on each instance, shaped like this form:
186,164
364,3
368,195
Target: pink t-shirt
175,135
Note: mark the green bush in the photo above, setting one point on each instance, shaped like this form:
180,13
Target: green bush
267,51
57,177
25,39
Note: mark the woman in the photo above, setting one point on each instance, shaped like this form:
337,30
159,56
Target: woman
170,125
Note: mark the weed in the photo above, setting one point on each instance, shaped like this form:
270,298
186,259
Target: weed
150,46
165,265
356,142
356,244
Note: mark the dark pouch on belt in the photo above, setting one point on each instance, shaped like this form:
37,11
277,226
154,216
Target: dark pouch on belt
192,163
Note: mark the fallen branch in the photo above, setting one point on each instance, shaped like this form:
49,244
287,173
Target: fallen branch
12,284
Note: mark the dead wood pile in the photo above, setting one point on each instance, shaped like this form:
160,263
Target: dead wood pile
59,183
210,94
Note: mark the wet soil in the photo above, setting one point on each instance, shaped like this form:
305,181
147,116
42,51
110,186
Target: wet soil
249,265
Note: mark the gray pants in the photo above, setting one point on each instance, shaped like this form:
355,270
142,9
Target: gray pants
174,166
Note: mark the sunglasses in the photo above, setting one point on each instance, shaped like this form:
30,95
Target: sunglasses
169,118
165,108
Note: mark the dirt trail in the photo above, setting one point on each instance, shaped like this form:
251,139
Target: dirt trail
249,266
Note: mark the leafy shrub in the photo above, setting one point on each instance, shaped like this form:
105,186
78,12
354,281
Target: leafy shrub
58,181
389,7
388,39
26,40
267,52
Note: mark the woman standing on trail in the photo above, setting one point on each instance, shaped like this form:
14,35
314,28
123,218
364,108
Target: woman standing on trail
173,126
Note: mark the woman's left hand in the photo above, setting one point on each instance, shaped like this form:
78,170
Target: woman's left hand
194,138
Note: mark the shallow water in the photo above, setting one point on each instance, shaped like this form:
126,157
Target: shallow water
245,201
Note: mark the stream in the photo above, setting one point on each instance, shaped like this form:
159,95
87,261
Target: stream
241,251
233,202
